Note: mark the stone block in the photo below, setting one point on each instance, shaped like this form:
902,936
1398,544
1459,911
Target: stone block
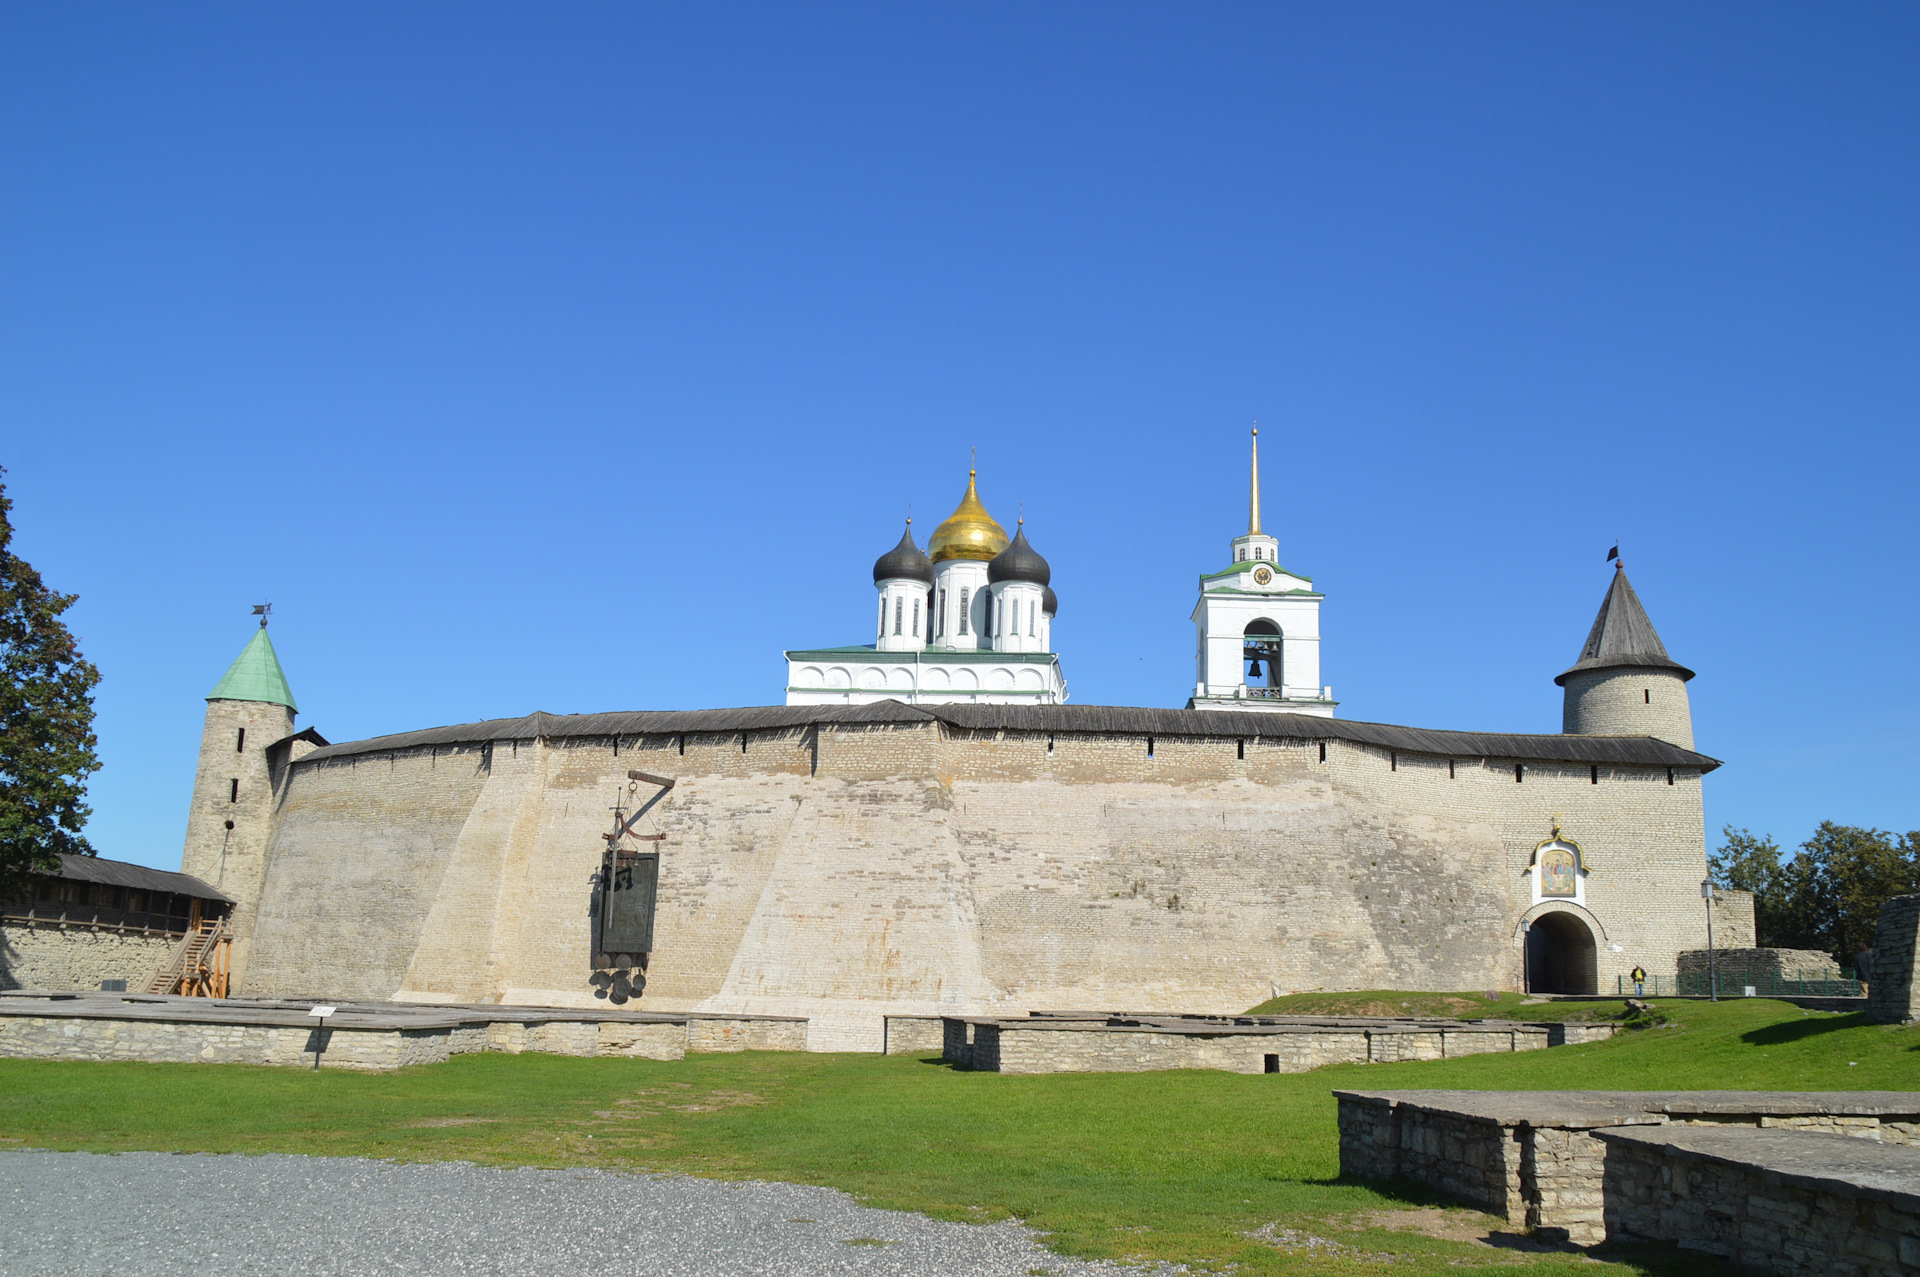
1893,997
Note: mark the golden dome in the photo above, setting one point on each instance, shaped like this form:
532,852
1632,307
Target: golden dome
969,532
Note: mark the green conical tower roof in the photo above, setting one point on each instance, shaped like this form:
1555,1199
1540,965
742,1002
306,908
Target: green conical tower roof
256,676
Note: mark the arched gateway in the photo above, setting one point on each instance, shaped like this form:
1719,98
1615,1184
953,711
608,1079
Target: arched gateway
1561,955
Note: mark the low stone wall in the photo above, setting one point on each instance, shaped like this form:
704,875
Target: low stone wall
1776,1201
43,956
1536,1157
186,1042
1473,1160
745,1033
1233,1044
1893,997
549,1037
1526,1157
1769,964
108,1026
913,1035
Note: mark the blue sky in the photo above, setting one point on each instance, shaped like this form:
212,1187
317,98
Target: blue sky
584,357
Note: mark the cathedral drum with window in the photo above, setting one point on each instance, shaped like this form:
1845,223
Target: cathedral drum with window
926,826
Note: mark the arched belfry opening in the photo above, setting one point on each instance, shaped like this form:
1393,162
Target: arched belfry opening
1561,955
1265,654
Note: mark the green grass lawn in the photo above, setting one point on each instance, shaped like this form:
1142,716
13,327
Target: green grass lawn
1178,1166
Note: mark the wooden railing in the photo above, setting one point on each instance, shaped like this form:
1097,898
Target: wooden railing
198,966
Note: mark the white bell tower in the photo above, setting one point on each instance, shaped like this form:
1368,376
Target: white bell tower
1258,629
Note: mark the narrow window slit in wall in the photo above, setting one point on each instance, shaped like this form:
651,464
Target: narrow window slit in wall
1593,774
1449,769
1049,744
1323,751
1149,747
1393,762
1647,695
683,744
1519,772
743,742
240,745
1240,749
233,794
1669,775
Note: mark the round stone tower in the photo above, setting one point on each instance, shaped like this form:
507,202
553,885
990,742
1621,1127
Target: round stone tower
1624,683
250,710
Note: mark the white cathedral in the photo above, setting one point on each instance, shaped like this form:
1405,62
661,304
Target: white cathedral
970,619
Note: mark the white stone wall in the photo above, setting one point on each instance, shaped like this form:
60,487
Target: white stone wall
903,616
859,678
1227,606
1631,701
43,957
855,872
960,604
1018,623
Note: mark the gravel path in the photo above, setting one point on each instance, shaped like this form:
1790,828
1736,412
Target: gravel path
159,1214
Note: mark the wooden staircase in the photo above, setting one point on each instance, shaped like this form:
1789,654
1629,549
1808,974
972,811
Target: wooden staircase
197,967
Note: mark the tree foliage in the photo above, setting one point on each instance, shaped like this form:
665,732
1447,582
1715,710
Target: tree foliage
1828,895
46,722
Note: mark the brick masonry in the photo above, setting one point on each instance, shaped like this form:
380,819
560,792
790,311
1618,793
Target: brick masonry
1893,997
848,872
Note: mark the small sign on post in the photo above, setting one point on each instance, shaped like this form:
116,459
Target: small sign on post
320,1034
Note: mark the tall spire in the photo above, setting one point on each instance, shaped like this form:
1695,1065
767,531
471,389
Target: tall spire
1253,518
255,676
1623,635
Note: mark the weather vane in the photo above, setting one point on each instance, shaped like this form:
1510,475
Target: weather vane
263,611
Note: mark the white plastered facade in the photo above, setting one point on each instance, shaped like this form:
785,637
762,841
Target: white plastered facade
967,640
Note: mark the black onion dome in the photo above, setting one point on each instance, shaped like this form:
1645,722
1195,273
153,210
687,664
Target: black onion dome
1049,602
1019,562
904,562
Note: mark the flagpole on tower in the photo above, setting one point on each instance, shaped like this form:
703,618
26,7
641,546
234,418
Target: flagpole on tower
1253,517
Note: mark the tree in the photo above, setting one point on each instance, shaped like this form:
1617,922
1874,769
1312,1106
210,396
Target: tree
1751,862
1829,895
46,722
1856,870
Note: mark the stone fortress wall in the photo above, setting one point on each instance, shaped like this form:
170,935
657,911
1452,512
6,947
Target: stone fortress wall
49,957
846,870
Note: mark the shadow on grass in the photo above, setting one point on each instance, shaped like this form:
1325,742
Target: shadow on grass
1799,1030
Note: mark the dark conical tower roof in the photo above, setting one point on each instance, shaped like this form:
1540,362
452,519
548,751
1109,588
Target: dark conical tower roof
904,562
1019,562
1623,636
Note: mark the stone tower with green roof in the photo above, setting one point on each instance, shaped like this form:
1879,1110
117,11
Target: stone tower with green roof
245,747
